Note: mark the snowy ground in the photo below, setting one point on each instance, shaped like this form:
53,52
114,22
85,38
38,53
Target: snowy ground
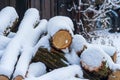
110,39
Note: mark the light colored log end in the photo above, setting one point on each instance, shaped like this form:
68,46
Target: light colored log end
61,39
19,77
114,57
2,77
114,76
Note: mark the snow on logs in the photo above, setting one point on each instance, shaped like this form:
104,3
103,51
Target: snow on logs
60,28
27,35
61,74
8,20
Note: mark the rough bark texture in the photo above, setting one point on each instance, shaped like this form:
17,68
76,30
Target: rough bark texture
52,59
62,39
102,74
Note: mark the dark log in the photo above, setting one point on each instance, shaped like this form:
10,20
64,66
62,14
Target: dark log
52,59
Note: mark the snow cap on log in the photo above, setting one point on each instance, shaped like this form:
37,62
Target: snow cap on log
61,74
8,16
78,43
59,23
36,69
28,18
92,59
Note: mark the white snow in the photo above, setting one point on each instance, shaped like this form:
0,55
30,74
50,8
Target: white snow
26,36
8,15
72,57
92,57
4,42
36,69
61,73
59,23
78,43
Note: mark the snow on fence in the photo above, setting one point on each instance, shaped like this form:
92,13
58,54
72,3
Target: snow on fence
8,20
27,35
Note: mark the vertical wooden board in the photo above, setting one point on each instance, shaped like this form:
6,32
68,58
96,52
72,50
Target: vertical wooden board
13,3
47,9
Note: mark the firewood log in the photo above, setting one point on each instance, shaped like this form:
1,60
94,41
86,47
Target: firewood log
9,19
61,39
94,64
60,29
52,60
3,77
19,77
28,52
25,36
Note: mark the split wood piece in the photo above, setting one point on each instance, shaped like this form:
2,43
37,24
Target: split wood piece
61,39
114,76
20,42
18,78
3,77
51,59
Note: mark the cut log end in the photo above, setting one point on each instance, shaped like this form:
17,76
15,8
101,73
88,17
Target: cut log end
2,77
19,77
114,76
61,39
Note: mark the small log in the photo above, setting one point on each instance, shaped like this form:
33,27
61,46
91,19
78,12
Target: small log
52,60
94,65
3,77
61,39
18,78
114,57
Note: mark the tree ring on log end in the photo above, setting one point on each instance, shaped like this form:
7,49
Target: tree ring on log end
61,39
3,77
19,77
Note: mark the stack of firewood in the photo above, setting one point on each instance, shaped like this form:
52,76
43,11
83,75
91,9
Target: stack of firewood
53,45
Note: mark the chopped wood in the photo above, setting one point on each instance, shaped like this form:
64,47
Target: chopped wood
61,39
3,77
19,77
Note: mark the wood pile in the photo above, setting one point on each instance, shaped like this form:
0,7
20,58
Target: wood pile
53,44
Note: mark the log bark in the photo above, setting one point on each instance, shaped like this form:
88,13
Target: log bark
52,60
61,39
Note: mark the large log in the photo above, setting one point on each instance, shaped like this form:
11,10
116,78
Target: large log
8,20
28,52
51,59
60,28
61,39
21,40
